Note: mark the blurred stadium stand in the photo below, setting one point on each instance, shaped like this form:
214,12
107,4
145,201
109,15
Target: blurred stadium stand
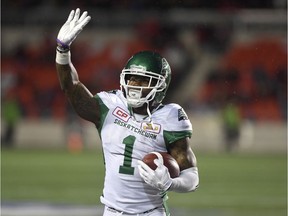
218,50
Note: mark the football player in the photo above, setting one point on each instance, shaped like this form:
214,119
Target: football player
132,122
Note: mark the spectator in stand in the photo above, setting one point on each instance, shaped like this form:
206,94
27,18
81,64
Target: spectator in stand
231,125
11,114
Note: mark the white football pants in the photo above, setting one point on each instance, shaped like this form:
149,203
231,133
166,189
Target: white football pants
156,212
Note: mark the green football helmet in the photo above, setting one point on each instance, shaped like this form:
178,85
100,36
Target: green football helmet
146,64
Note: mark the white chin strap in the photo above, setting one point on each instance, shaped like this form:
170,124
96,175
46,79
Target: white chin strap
134,98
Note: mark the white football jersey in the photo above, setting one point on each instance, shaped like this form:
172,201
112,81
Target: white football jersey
125,140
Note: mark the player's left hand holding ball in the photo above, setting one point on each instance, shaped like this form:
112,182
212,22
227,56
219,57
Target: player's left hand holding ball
71,28
158,178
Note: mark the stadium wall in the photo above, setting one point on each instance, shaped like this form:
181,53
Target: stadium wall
260,137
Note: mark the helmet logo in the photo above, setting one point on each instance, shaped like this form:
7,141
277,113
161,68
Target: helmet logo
165,67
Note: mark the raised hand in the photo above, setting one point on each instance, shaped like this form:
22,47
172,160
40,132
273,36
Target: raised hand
71,28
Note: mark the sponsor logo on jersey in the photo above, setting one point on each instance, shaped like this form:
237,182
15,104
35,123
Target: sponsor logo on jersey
182,115
151,127
121,114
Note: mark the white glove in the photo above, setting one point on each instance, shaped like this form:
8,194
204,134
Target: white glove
158,178
71,28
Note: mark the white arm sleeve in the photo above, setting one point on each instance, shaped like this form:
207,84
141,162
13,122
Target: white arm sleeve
187,181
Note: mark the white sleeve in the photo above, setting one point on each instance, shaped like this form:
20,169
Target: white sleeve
187,181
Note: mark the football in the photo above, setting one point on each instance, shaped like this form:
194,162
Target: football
168,160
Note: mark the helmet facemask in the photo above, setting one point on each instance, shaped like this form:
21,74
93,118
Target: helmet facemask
145,80
134,94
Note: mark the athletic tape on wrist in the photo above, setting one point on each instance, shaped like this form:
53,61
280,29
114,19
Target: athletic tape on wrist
63,58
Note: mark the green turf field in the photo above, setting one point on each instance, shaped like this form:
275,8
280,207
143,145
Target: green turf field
231,185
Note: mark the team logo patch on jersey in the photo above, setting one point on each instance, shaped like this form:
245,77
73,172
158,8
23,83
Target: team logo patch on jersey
151,127
121,114
182,115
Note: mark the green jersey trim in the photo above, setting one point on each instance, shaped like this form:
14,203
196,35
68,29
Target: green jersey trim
172,136
103,113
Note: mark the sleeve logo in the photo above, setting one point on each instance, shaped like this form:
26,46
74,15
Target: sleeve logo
182,115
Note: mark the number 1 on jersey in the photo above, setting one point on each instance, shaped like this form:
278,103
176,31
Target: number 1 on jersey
129,144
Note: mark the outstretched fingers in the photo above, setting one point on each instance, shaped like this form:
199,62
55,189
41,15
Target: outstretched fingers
83,16
71,15
84,22
76,16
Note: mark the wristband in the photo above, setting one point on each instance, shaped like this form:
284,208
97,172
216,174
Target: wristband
62,50
62,46
63,58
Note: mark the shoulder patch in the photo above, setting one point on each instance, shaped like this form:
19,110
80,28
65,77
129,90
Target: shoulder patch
182,115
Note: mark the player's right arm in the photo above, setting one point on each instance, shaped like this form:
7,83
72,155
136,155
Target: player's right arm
79,96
